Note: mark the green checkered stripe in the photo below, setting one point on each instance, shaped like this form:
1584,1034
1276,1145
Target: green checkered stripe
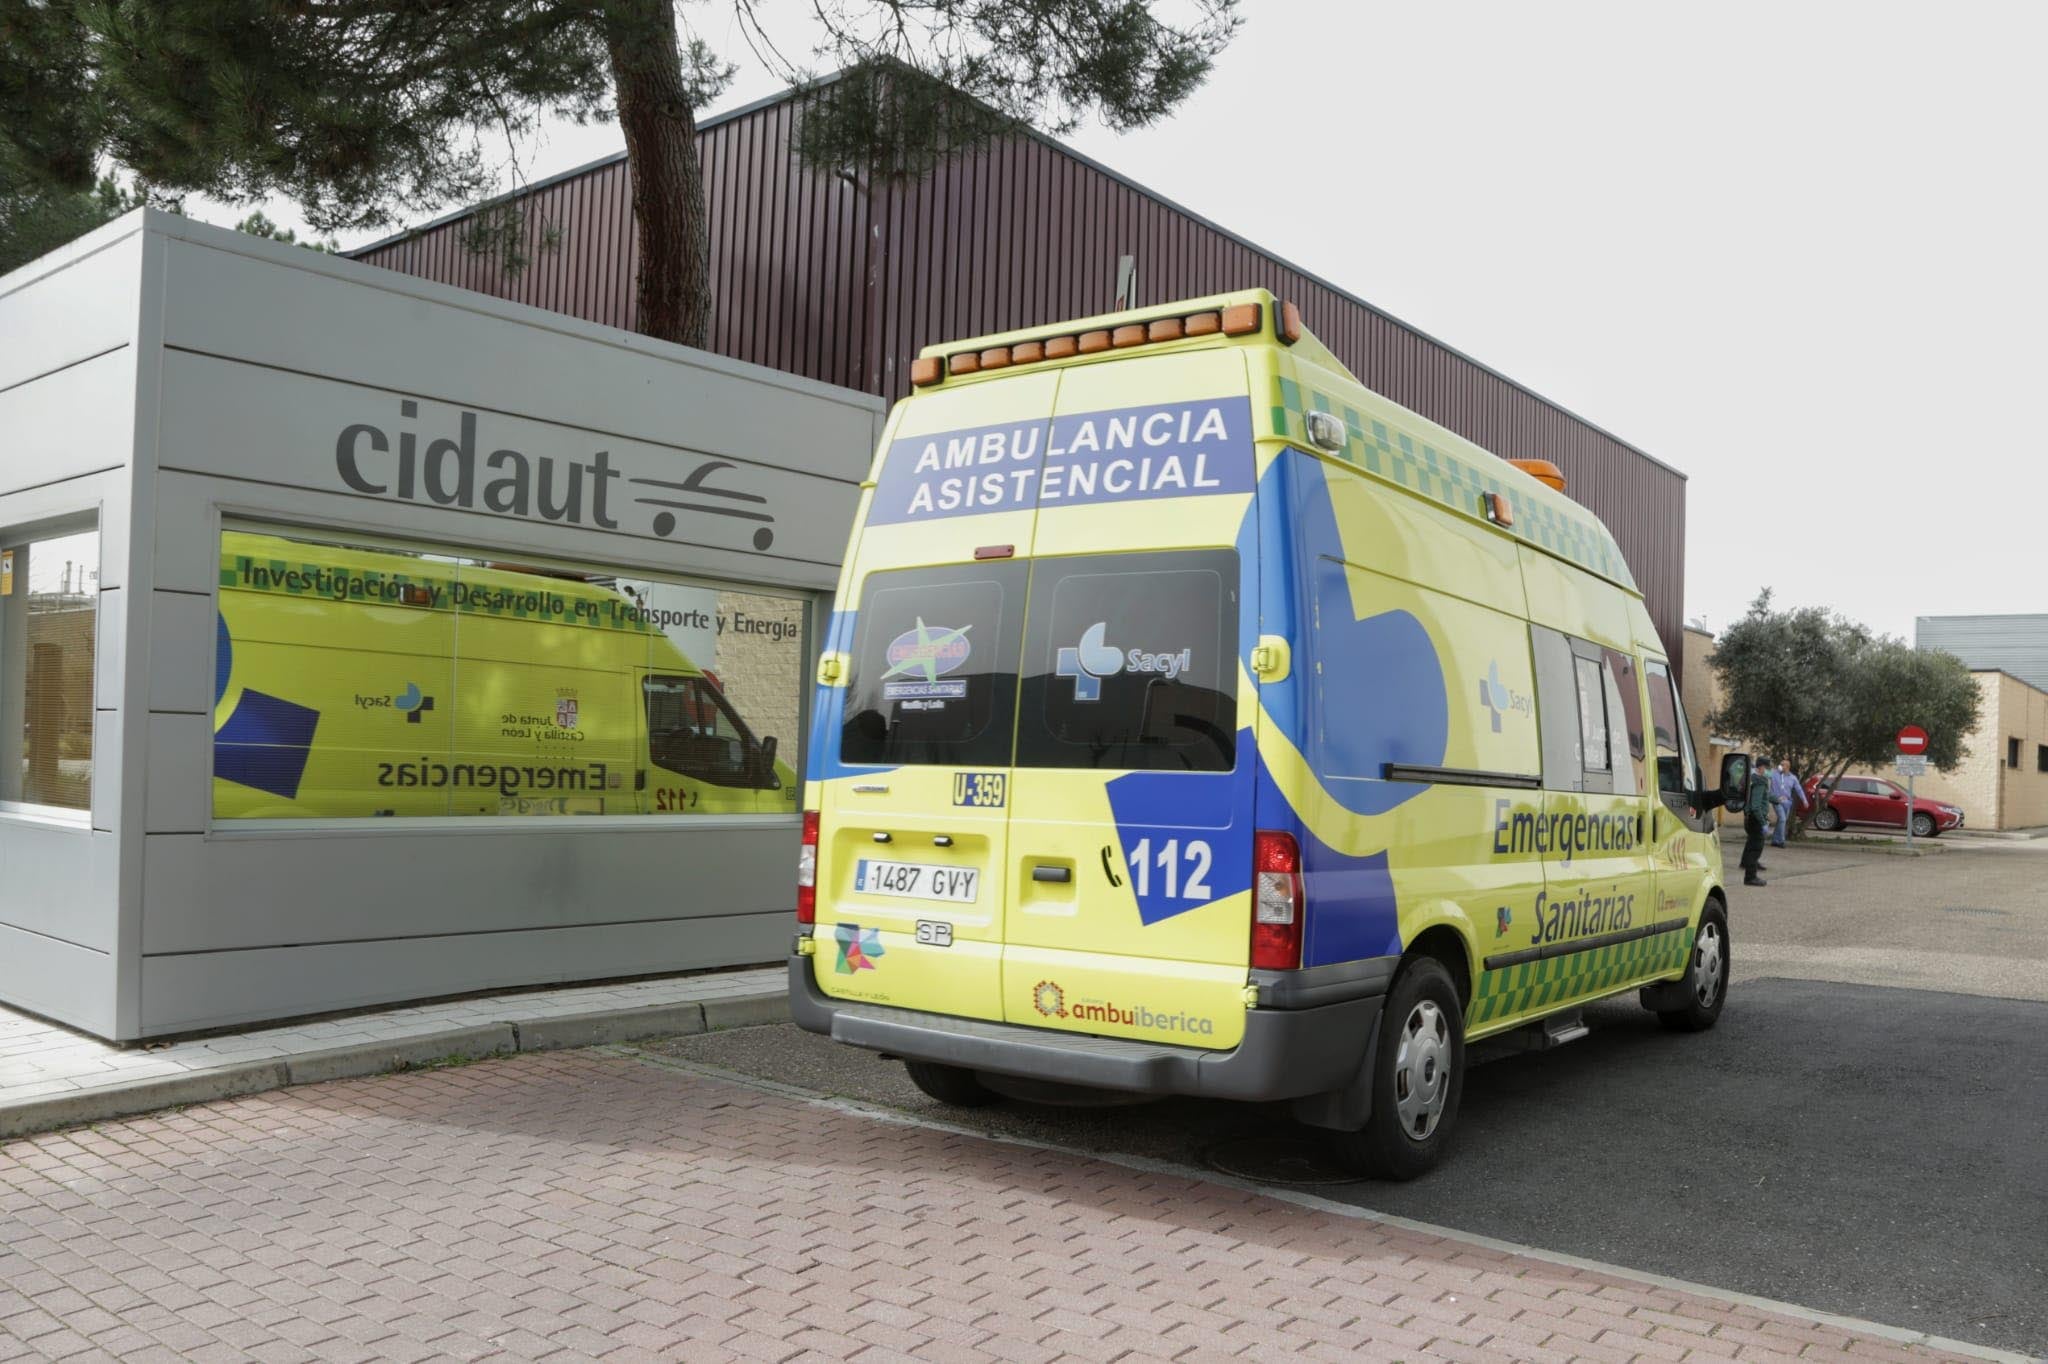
1395,455
1516,990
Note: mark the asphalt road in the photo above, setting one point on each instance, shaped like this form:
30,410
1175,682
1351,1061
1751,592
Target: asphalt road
1869,1151
1972,919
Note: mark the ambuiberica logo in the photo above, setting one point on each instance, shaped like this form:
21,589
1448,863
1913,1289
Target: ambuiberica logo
1094,658
1049,997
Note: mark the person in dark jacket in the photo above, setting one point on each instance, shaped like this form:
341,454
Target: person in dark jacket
1754,809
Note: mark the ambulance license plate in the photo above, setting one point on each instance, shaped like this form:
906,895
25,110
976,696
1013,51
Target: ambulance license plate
916,880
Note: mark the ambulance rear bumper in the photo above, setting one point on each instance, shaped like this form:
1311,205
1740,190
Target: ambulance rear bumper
1286,1053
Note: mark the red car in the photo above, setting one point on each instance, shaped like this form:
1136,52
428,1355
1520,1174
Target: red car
1873,800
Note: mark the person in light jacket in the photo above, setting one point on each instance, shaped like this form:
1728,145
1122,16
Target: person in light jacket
1785,793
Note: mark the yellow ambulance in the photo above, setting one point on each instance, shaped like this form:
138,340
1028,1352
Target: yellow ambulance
1194,721
354,682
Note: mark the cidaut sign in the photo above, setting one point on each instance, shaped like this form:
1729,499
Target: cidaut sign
417,461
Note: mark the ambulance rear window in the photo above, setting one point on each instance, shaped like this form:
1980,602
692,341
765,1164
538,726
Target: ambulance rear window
1131,663
934,678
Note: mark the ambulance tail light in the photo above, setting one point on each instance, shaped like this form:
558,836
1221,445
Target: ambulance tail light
807,871
1276,901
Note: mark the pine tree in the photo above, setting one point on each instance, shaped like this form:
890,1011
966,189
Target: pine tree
365,112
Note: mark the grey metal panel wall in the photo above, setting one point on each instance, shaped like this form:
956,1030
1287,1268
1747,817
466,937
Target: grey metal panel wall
844,282
2013,644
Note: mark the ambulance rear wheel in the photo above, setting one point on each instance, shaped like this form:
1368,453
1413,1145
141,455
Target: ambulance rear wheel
1705,987
950,1085
1418,1075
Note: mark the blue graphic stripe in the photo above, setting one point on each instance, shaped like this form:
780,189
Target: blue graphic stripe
265,744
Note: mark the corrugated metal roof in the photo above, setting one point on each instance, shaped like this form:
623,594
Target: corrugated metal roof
2017,645
712,121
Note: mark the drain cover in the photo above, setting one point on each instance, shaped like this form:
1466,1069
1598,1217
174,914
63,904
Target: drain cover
1280,1159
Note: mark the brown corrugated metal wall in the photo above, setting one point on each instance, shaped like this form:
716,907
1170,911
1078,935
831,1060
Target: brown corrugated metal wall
822,278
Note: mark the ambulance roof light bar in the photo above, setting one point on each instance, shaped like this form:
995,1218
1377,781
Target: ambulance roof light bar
1238,319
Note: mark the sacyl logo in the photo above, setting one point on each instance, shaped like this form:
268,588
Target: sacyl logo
1499,698
1092,659
411,703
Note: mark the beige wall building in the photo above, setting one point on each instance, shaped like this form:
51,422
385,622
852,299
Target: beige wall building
1701,694
2003,783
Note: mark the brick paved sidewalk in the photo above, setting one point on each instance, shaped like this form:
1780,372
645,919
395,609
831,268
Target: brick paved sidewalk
51,1076
575,1205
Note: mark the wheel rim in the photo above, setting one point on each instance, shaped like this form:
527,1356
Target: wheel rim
1422,1069
1709,964
1923,826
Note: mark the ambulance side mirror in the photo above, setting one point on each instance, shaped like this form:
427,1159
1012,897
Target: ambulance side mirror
1734,780
768,746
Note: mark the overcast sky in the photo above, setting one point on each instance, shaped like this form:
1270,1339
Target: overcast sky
1794,250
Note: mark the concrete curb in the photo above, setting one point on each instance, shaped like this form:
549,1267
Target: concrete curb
1852,840
240,1078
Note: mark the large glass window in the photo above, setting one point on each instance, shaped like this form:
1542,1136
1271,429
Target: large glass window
934,678
49,608
1132,663
356,679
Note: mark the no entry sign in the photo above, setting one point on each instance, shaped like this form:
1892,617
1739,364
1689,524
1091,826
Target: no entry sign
1912,740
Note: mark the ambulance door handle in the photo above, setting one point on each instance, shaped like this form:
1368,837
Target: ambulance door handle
883,837
942,840
1052,873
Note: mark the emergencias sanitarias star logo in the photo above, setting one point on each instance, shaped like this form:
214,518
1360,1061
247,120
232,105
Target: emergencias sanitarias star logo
927,651
1049,1000
858,948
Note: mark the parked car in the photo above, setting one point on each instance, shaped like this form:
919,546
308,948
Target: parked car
1873,800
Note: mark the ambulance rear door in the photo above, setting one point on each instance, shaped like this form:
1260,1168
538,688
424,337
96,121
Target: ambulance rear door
1129,865
913,763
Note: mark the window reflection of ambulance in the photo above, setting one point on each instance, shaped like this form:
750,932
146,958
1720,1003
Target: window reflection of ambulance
1194,721
353,682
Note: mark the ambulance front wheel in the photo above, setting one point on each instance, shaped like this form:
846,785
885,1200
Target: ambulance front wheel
1694,1003
1418,1075
950,1085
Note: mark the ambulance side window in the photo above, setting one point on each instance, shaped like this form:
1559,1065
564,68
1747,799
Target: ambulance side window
1677,776
1591,732
1593,754
692,729
1625,700
1557,710
934,680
